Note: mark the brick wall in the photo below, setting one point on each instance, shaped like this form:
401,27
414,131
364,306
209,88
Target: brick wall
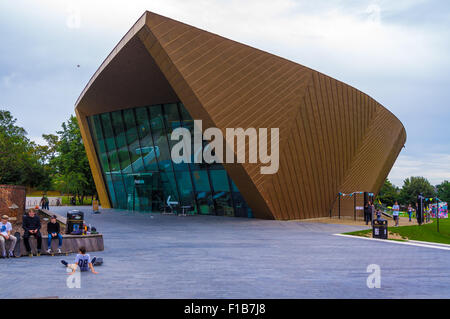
10,195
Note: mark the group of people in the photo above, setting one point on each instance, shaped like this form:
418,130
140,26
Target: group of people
45,202
370,211
31,225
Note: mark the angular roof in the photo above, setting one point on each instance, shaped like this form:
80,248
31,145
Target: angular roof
333,138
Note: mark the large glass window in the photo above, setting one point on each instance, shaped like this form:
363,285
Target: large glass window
121,142
110,143
146,150
133,147
185,188
160,138
133,142
222,194
240,206
203,192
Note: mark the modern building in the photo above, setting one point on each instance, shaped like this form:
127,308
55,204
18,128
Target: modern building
163,74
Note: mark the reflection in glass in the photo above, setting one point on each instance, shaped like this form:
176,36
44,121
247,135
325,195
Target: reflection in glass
203,192
133,147
222,194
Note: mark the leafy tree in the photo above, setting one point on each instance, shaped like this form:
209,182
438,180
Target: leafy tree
389,193
67,155
414,185
48,152
19,157
443,191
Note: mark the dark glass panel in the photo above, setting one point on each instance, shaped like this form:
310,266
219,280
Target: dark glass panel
160,138
172,122
110,143
132,137
203,192
121,142
222,194
185,189
241,207
145,187
168,187
111,190
146,150
121,194
99,142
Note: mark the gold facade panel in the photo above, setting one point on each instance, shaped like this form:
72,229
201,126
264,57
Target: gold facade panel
333,138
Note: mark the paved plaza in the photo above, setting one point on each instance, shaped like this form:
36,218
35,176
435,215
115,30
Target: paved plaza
161,256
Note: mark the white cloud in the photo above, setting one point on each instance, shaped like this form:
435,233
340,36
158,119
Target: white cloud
7,80
379,46
73,20
434,166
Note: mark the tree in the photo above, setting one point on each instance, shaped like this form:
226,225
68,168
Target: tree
443,191
19,157
72,172
414,185
389,193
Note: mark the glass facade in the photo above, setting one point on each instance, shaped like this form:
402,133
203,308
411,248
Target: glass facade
134,146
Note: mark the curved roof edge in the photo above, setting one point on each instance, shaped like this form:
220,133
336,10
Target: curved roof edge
141,22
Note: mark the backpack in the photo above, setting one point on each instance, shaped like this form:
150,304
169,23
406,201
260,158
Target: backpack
98,261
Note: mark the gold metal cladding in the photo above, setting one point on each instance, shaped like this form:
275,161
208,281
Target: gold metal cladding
333,138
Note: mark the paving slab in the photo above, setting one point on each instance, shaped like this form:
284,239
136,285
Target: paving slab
165,256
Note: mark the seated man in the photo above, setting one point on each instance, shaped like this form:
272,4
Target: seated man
378,214
31,225
5,235
83,261
53,231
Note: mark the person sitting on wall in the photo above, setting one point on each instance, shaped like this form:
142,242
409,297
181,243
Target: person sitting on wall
5,235
31,225
53,231
378,214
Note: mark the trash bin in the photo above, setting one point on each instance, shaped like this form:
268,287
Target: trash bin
380,229
75,221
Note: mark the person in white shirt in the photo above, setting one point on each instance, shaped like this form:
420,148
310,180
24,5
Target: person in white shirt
395,212
5,235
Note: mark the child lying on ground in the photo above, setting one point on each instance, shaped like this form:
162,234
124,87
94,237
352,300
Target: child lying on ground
82,260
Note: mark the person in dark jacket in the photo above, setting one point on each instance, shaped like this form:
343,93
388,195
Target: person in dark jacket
31,225
372,211
53,231
367,210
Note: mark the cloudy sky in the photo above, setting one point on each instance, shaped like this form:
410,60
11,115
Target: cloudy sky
396,51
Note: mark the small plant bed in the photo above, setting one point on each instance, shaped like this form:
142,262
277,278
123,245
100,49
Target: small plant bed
427,232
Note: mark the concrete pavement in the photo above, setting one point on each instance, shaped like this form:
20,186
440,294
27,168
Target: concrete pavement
160,256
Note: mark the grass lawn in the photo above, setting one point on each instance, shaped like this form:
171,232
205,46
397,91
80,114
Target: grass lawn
66,200
426,232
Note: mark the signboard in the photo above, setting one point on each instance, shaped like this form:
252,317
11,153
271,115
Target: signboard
443,210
